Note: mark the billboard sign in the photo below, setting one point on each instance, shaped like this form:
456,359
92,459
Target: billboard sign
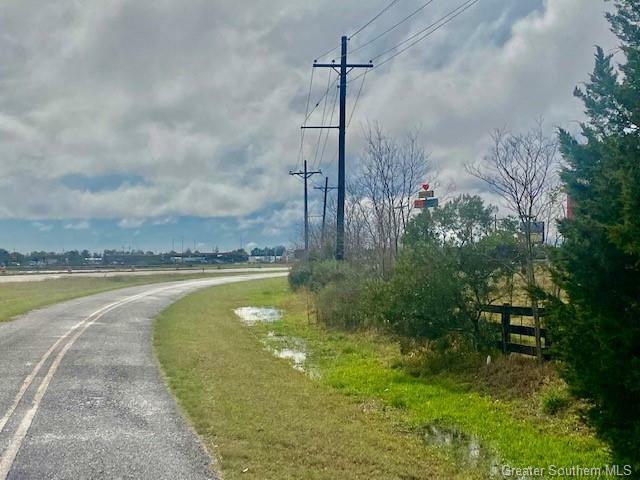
425,194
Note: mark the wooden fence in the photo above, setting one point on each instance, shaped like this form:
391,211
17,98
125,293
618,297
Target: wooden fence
506,311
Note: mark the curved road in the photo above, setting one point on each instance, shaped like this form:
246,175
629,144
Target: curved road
81,394
55,275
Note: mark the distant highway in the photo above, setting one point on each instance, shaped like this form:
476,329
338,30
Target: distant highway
81,394
34,276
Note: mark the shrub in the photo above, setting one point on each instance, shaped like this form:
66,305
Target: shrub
299,276
425,294
340,305
554,399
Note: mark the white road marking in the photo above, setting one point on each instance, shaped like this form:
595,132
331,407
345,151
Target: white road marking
10,453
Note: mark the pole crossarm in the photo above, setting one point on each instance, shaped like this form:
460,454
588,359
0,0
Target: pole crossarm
320,126
348,65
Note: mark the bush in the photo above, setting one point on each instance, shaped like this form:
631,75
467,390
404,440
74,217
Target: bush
554,399
340,305
315,275
299,276
425,294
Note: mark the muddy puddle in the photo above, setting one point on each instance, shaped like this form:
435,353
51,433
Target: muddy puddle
253,315
465,449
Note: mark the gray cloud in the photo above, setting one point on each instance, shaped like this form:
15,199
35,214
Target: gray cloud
202,100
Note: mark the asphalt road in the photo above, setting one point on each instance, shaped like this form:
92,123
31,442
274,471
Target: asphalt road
82,397
39,277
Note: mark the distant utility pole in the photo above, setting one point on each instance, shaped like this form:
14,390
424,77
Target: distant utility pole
306,174
325,189
344,70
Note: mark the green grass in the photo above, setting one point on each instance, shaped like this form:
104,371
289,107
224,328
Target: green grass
20,297
264,420
255,411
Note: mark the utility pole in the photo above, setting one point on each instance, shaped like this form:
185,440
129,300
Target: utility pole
305,175
344,70
325,189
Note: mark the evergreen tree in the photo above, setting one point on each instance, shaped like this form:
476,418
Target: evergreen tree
597,328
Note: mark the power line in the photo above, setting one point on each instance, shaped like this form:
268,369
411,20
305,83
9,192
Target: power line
326,138
300,154
324,116
393,27
337,47
317,104
355,104
393,2
458,11
326,53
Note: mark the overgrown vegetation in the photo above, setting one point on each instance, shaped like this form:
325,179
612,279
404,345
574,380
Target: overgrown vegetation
454,260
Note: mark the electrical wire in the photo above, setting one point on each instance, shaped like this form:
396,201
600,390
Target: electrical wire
391,4
324,116
455,12
393,27
301,153
327,53
317,104
434,28
326,138
355,104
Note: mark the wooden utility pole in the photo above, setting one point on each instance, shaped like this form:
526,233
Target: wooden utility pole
325,189
305,175
343,71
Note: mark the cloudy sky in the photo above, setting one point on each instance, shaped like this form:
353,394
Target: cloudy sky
143,122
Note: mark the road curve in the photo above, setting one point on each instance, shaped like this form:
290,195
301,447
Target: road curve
55,275
81,395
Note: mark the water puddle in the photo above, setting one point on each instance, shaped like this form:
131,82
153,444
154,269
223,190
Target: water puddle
253,315
288,348
296,356
465,449
292,349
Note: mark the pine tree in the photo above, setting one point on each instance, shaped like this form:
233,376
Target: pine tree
597,328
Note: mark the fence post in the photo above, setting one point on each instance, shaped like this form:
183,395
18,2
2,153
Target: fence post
506,327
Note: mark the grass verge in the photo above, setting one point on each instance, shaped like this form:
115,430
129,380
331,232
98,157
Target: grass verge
364,417
20,297
261,418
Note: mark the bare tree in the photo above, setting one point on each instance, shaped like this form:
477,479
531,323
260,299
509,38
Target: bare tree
381,194
521,169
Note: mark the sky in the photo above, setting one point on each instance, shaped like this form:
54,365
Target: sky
147,124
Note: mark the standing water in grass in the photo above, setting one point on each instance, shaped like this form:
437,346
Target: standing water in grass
252,315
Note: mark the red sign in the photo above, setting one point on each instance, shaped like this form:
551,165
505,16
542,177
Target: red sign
425,186
419,203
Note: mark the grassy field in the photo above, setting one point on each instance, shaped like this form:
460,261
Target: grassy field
20,297
360,412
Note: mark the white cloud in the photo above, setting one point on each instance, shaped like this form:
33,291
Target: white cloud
131,223
42,227
82,225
